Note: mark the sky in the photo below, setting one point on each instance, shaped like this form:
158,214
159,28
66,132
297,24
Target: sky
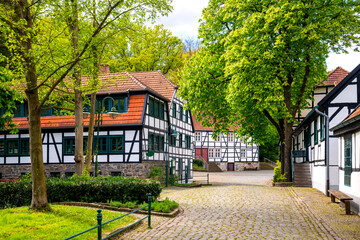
183,22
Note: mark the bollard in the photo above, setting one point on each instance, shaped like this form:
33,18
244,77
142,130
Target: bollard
99,219
149,210
207,179
186,174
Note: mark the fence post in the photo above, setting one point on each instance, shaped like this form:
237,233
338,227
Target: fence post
186,174
149,210
207,179
99,219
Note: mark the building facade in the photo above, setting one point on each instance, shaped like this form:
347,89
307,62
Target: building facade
229,153
321,151
130,143
348,132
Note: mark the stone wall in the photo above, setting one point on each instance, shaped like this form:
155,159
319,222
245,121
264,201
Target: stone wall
239,166
140,170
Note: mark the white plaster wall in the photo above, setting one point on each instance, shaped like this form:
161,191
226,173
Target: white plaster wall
318,178
12,160
1,160
348,94
25,160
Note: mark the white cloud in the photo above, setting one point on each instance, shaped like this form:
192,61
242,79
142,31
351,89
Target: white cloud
184,20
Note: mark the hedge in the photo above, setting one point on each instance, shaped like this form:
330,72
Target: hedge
75,189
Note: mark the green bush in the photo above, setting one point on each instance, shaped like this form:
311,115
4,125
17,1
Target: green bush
125,205
157,173
78,189
198,162
165,206
278,177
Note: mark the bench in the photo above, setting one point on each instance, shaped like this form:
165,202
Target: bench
342,197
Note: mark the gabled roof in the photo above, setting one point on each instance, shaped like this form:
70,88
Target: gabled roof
199,127
340,86
350,123
132,116
121,82
335,77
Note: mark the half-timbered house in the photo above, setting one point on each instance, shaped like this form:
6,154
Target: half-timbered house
129,143
313,137
229,153
348,132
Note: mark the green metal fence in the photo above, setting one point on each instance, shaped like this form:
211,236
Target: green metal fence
100,224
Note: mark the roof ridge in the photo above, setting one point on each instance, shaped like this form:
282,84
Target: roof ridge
137,81
338,67
175,86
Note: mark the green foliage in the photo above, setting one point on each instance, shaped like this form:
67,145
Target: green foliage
157,173
278,177
146,49
61,222
78,189
198,162
124,205
165,206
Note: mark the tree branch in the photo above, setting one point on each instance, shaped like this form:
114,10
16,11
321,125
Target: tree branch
277,126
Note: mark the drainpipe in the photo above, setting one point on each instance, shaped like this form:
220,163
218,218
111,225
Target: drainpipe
327,159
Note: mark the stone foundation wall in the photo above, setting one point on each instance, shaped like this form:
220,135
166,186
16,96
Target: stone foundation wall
140,170
238,166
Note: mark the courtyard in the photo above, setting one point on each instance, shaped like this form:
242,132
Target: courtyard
244,205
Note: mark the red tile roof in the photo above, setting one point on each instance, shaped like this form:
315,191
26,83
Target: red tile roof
199,127
335,77
355,113
151,80
133,116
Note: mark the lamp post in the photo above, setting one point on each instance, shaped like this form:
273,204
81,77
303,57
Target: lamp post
113,113
174,134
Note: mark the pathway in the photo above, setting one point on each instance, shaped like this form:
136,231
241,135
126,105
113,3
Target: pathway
243,211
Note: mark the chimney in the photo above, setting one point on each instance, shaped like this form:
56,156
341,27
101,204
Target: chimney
104,69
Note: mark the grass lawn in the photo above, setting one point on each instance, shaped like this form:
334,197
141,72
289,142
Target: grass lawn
196,167
61,222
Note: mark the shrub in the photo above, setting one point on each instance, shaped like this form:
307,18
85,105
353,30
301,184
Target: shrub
165,206
198,162
157,173
79,189
278,177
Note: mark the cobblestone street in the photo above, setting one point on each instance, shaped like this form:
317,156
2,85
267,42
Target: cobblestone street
244,211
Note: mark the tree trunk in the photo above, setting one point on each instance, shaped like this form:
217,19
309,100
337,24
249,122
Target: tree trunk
90,133
288,129
39,198
79,122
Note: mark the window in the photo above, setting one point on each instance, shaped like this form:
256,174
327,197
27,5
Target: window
231,137
174,110
322,130
198,136
156,142
218,138
2,147
12,147
217,152
211,153
55,174
181,112
156,108
115,174
186,116
243,153
180,140
116,144
119,103
348,160
69,146
315,132
307,137
100,144
172,141
69,174
187,141
24,147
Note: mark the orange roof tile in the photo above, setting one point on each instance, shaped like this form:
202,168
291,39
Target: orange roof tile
355,113
199,127
335,77
133,116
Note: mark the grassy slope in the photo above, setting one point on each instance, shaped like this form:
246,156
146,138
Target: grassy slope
63,221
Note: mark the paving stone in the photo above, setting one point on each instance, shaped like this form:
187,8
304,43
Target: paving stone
238,210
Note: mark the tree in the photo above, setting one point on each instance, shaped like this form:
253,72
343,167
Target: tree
260,60
35,60
143,48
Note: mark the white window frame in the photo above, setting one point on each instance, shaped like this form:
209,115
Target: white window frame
197,136
217,152
243,153
211,153
231,137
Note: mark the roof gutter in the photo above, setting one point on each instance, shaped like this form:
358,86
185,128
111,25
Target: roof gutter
327,163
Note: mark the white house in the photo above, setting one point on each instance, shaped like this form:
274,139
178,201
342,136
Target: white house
131,143
229,153
348,132
311,135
